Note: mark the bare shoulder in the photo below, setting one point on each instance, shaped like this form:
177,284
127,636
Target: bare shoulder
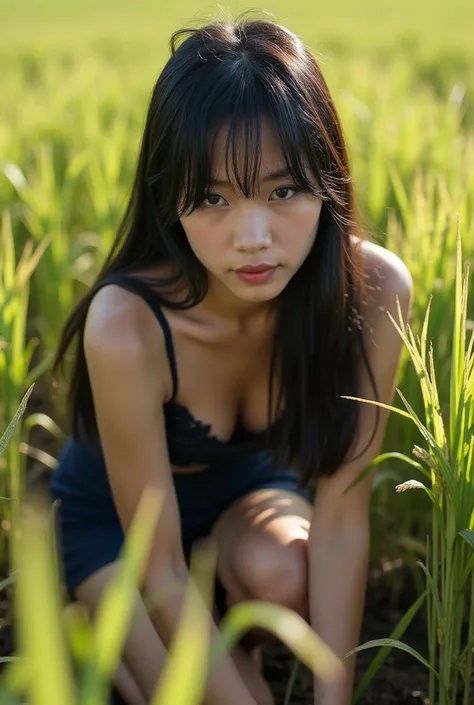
389,285
121,333
120,321
387,276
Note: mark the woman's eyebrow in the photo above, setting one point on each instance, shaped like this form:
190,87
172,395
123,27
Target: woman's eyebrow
280,173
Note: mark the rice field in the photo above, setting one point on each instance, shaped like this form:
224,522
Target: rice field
74,85
437,25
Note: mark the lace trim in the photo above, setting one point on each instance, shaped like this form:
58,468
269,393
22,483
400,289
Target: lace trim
191,441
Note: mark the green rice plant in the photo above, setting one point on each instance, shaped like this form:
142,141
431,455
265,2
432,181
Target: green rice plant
8,433
446,462
110,130
4,440
15,360
395,124
425,238
46,197
423,234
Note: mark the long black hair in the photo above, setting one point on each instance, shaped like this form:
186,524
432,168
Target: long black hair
238,73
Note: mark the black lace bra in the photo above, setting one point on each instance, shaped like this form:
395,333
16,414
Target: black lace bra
190,441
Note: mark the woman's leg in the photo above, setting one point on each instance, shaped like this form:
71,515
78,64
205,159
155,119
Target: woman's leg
262,549
262,555
143,655
124,684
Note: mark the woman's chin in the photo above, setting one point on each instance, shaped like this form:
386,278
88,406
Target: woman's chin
260,293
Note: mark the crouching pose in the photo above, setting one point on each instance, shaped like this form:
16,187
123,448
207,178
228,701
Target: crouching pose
239,307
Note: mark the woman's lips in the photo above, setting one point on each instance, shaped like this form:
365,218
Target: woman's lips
258,274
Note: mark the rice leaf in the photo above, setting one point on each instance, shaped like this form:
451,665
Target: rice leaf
396,634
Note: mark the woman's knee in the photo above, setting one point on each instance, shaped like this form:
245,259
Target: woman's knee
269,571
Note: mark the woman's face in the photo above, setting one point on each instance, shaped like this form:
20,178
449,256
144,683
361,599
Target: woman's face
253,246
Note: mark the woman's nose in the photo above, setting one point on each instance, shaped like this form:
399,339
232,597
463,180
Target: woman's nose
252,232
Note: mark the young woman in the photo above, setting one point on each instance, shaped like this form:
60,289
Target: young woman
236,310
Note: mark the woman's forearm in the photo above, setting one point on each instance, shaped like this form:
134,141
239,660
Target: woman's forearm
338,558
225,685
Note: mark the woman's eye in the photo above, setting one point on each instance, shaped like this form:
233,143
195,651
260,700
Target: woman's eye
213,199
284,193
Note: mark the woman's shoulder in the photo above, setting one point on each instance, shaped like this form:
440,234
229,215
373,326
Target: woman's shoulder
121,332
117,320
386,274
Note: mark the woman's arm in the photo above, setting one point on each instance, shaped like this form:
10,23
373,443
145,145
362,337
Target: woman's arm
340,534
338,578
130,379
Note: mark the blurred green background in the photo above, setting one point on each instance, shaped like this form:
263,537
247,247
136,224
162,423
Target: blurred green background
364,25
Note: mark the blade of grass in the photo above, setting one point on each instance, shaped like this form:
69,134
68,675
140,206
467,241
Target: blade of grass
382,655
394,644
37,584
11,426
184,677
288,627
116,607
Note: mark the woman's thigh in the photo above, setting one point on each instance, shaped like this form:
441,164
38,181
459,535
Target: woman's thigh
262,542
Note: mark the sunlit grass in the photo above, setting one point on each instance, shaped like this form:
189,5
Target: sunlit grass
146,26
445,463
